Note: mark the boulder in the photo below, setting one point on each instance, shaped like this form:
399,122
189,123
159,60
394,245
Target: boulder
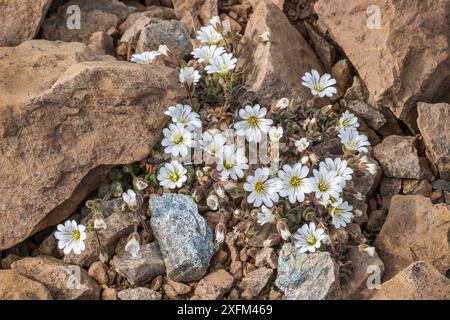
184,237
139,293
414,229
214,285
16,287
151,12
194,14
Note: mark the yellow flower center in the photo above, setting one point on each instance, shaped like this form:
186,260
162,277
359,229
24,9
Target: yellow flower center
259,186
295,182
76,235
317,87
227,165
322,186
174,176
178,139
253,121
311,240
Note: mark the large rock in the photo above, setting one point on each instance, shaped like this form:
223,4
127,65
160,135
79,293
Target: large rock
59,121
303,276
419,281
273,69
195,13
20,20
65,282
434,125
406,60
184,237
415,229
16,287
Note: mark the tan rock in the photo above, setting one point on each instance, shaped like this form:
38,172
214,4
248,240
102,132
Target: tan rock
16,287
266,257
405,60
419,281
139,293
194,14
99,272
152,11
214,285
21,20
342,72
325,51
434,125
415,229
179,287
389,187
256,281
102,43
109,294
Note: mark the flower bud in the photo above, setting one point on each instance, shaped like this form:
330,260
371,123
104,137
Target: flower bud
365,248
281,104
103,254
116,189
99,222
283,230
221,230
139,183
213,201
273,240
132,246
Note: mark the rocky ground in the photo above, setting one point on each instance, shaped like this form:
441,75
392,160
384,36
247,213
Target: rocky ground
73,110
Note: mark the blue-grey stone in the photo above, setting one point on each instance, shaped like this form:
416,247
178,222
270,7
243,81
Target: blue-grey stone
184,237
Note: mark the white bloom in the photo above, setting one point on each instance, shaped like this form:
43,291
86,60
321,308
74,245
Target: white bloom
207,53
226,27
341,213
71,236
253,123
164,50
265,36
221,64
283,103
294,184
369,166
130,199
339,167
285,234
353,141
132,246
369,250
347,120
302,144
309,238
325,184
320,85
172,175
99,222
275,134
189,76
209,35
262,189
177,140
184,115
214,21
212,201
212,142
145,57
265,216
304,160
232,163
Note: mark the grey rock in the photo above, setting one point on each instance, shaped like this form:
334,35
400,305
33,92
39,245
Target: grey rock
184,237
303,276
325,51
139,294
374,118
441,184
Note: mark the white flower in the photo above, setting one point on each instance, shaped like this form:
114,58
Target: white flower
265,216
294,184
339,167
189,76
99,222
262,190
172,175
369,166
265,36
164,50
221,64
184,115
320,85
212,142
214,21
285,234
309,238
347,120
325,184
145,57
302,144
71,236
232,163
132,246
341,213
253,123
353,141
209,35
275,134
177,140
226,27
369,250
207,53
283,103
130,199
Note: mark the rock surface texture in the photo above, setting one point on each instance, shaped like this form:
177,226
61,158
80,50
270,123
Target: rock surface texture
16,287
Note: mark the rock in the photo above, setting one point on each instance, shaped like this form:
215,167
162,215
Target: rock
256,281
415,229
170,291
214,286
99,15
363,265
441,184
266,257
141,270
357,91
374,118
102,43
281,61
376,220
302,276
423,189
419,281
109,294
325,51
152,11
16,287
139,293
180,288
21,20
157,283
98,272
389,187
434,125
194,14
343,74
414,48
236,269
183,236
7,261
49,247
398,158
74,110
64,281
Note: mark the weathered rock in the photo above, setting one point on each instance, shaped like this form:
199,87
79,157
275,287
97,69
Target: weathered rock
21,20
214,286
102,43
64,281
256,281
7,261
357,91
423,189
419,281
376,220
99,15
139,293
302,276
141,270
413,48
180,288
434,125
266,257
152,11
98,272
281,61
389,187
415,229
183,236
195,13
325,51
343,74
74,111
109,294
374,118
16,287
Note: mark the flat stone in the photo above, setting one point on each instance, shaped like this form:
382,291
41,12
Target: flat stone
16,287
255,281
